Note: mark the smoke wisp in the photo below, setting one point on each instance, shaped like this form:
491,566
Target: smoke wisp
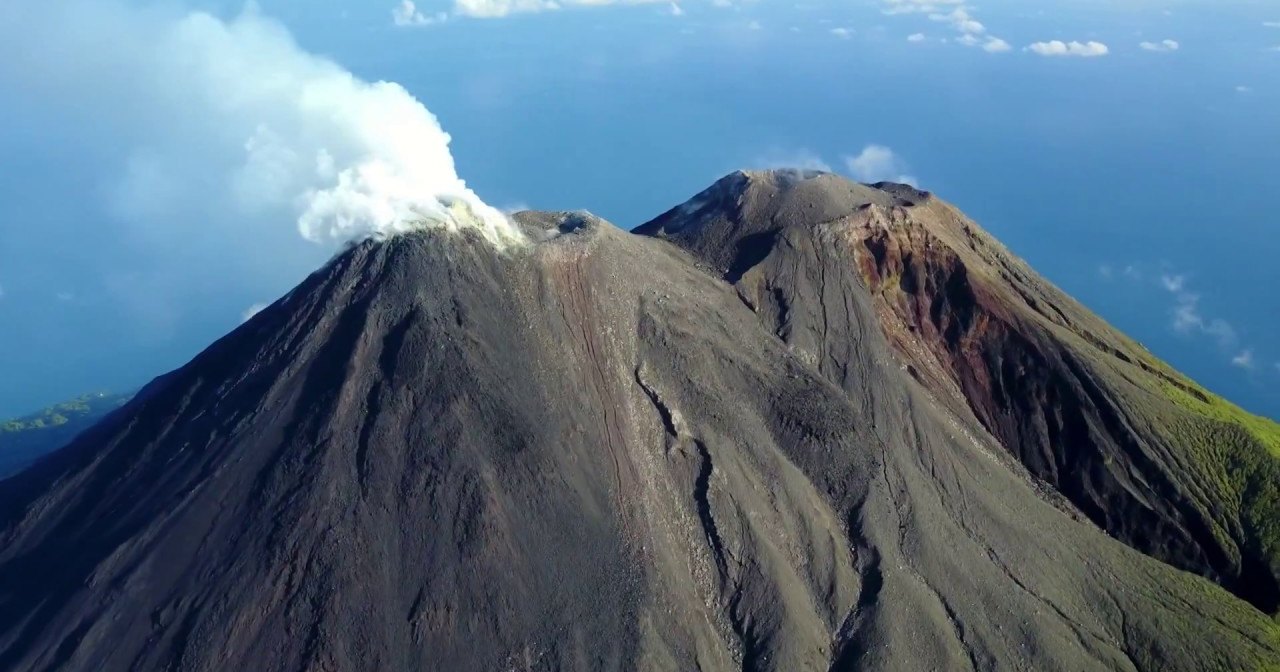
241,122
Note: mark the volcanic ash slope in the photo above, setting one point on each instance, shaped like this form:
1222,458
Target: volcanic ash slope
599,451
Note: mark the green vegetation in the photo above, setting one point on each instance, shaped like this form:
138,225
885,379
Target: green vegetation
61,414
1236,458
1227,459
1266,431
23,440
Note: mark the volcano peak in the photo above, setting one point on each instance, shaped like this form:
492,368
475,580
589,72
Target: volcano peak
763,436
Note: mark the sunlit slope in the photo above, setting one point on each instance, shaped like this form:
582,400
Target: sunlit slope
1137,447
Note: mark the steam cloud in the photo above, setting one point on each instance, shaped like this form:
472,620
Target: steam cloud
246,124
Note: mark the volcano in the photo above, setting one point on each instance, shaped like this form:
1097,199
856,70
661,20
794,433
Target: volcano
796,423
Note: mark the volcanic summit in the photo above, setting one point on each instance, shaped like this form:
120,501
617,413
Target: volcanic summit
796,423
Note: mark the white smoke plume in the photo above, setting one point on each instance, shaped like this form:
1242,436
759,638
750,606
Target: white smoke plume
239,124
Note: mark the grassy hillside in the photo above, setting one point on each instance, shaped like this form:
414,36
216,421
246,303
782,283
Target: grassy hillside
1237,455
1213,407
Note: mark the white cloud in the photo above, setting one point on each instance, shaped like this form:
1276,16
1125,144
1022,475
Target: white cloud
754,25
407,14
242,121
1245,360
1186,315
251,311
842,33
1189,319
877,163
996,45
1173,283
960,19
223,153
958,14
801,159
1244,89
1161,46
1271,24
1059,48
495,9
675,10
919,6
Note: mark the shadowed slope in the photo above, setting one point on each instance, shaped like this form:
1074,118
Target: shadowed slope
586,454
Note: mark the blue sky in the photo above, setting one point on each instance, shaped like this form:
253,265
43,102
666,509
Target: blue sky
1127,150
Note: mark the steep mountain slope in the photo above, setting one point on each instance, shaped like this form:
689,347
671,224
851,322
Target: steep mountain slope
584,454
25,439
1142,451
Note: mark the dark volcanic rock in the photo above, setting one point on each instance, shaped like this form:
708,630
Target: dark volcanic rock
585,454
1141,450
